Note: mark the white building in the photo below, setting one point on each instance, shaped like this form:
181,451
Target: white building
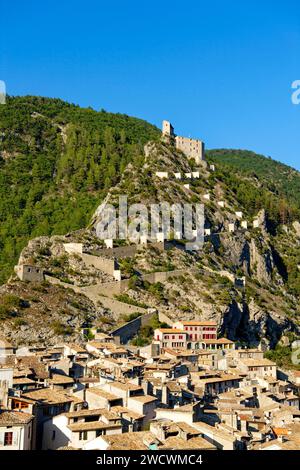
162,174
77,428
16,430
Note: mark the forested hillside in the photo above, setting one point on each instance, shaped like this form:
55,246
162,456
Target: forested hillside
281,179
56,161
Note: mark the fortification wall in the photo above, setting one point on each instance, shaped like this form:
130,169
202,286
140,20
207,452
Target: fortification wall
163,318
117,252
115,288
107,265
193,148
130,250
120,308
165,275
108,288
73,247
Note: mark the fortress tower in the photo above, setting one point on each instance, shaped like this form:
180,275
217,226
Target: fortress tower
168,129
193,148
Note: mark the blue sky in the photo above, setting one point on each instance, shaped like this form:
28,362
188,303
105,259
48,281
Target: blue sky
221,71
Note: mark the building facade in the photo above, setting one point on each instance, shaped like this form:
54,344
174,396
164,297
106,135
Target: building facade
191,335
29,273
16,430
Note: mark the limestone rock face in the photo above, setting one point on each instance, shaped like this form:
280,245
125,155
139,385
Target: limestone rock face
262,264
254,325
237,251
284,341
262,220
254,257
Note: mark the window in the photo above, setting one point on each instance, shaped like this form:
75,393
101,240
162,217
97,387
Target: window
19,405
8,438
83,435
53,435
99,432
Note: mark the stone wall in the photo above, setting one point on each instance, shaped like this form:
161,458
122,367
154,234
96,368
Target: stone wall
107,265
128,251
115,288
130,329
192,148
163,318
108,288
117,252
73,247
163,276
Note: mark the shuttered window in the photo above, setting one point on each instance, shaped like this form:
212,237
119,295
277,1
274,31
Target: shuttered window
8,438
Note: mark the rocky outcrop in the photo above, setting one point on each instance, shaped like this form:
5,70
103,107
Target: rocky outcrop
252,324
296,226
261,263
262,221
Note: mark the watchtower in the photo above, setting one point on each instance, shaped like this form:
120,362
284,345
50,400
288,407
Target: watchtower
168,129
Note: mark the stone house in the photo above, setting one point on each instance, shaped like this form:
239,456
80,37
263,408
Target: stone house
44,404
144,405
6,348
77,428
255,368
26,272
212,386
99,398
16,430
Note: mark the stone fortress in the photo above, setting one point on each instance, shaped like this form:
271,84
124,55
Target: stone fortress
106,259
192,148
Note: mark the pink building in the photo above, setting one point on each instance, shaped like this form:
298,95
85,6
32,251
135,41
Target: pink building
198,330
192,335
